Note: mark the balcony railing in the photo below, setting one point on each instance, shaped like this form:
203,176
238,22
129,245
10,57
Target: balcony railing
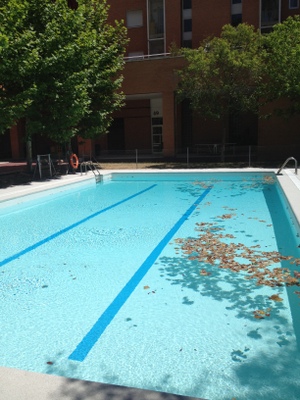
144,57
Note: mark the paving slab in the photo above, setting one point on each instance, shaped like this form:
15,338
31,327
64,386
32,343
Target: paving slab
24,385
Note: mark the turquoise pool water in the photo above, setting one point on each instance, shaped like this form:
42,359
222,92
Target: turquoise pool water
150,281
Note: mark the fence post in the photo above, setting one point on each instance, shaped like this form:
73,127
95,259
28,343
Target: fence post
187,157
249,157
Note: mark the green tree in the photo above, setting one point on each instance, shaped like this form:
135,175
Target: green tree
18,58
224,74
282,61
60,68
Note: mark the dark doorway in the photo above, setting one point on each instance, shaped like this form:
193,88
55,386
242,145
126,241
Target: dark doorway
116,135
5,148
187,124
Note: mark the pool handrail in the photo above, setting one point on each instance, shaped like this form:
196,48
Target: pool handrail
285,163
92,167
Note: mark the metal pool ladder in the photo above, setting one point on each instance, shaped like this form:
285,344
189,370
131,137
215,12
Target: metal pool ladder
285,163
92,167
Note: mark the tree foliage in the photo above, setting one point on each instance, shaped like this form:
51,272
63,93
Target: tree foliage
224,74
282,64
60,68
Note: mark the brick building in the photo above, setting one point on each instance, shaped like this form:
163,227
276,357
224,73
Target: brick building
152,120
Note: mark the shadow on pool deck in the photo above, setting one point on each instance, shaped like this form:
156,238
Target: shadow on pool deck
23,385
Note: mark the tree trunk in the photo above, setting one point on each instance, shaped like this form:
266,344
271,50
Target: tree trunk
29,154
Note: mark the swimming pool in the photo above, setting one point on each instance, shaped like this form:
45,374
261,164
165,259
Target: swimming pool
150,281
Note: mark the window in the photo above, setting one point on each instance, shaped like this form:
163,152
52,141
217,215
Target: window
156,19
187,4
236,12
156,46
293,4
186,39
236,7
270,13
236,19
157,125
187,25
134,19
156,26
187,43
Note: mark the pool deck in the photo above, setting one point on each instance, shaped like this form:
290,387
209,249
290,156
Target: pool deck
24,385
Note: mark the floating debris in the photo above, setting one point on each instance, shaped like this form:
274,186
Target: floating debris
269,180
209,248
204,185
275,297
226,216
257,316
203,272
146,287
261,314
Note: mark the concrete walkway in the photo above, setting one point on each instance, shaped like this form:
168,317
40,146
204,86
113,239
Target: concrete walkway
17,191
23,385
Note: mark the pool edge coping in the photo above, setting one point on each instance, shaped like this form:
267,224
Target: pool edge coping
290,184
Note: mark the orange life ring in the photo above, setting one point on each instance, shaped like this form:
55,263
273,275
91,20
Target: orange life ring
74,162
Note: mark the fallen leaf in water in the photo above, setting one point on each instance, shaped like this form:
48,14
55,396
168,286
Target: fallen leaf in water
146,287
204,273
226,216
257,316
209,248
275,297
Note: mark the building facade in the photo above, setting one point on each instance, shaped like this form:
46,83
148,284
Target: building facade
152,120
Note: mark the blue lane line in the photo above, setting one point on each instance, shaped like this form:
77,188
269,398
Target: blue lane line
68,228
87,343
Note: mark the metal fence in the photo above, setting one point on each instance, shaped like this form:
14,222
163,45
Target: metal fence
203,155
